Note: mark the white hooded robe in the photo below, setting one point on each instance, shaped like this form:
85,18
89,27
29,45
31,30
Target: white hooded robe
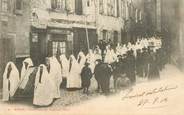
91,60
43,91
55,74
10,84
64,66
24,70
74,78
81,59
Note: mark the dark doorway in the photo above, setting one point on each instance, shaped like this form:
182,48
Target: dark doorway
7,49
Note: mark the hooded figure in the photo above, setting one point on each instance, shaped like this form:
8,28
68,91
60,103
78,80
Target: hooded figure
10,81
26,64
110,56
118,49
124,49
90,58
64,66
55,74
81,59
97,53
74,79
43,91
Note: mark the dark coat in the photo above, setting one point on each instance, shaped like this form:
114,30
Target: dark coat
130,69
154,68
102,75
86,75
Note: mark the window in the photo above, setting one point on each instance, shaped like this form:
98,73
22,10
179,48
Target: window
123,9
4,5
101,8
117,3
110,7
136,15
60,4
88,3
58,48
18,4
140,15
78,7
104,34
115,37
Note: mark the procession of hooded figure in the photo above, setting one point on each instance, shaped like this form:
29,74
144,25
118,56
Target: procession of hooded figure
49,77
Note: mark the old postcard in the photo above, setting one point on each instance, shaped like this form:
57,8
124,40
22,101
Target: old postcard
92,57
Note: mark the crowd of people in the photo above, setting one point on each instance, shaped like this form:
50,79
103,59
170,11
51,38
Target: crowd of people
123,62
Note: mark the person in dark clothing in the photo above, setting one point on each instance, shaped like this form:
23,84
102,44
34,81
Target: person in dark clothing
96,73
86,76
153,69
130,69
119,73
102,74
139,64
102,45
145,62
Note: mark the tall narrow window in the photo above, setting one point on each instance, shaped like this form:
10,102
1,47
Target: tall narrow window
117,4
4,5
104,34
78,7
101,8
58,47
53,4
18,4
58,4
136,15
88,3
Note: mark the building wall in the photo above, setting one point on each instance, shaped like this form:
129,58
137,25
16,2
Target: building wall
170,26
22,29
7,38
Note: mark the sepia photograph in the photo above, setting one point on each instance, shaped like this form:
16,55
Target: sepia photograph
92,57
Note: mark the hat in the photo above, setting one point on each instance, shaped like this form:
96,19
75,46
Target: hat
87,63
99,60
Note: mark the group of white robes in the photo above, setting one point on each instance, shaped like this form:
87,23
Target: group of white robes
12,80
110,56
155,43
76,65
47,82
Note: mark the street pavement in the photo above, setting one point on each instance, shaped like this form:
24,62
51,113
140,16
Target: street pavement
162,97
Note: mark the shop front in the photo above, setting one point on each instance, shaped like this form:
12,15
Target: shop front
50,42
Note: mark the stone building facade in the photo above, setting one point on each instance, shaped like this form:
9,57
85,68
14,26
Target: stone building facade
37,28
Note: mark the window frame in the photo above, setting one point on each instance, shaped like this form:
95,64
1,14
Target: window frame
18,11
